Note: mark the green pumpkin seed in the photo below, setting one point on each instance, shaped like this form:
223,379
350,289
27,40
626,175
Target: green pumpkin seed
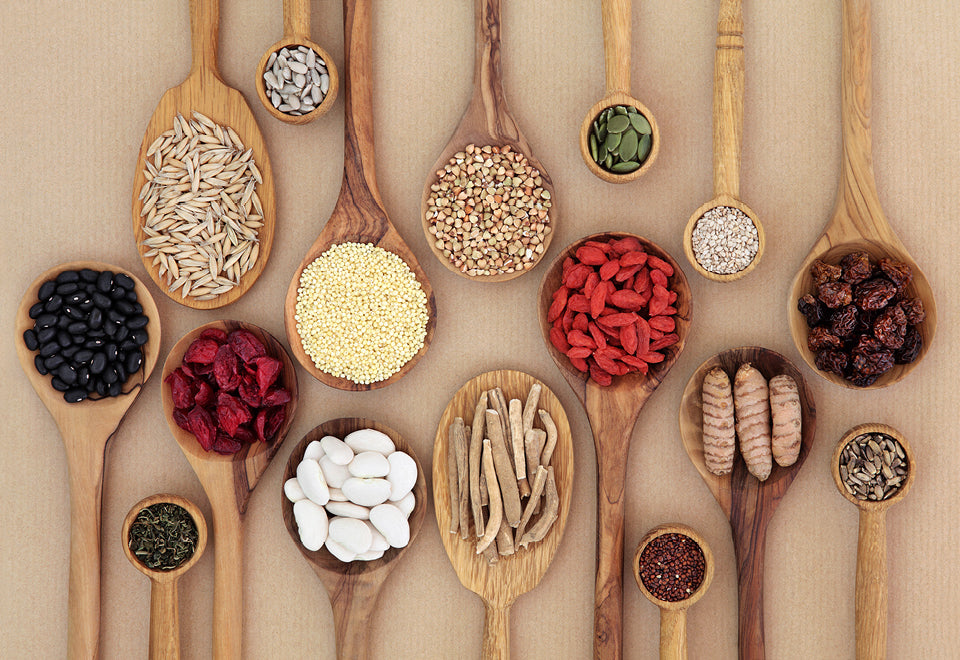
602,152
631,110
643,148
608,161
593,146
618,123
641,124
620,110
624,168
612,141
628,145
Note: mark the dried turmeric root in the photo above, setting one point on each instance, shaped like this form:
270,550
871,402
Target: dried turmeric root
719,434
752,405
785,411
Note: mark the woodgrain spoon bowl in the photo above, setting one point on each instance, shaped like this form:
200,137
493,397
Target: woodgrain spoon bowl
86,427
858,221
228,482
354,586
359,215
164,598
486,121
500,584
204,91
613,412
748,503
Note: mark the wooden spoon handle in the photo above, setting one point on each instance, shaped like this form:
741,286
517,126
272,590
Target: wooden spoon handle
856,92
728,71
227,582
608,592
496,632
617,27
673,634
204,34
488,73
164,620
86,497
296,18
871,598
353,600
358,165
750,541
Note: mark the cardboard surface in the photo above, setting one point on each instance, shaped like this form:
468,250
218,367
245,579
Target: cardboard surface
84,78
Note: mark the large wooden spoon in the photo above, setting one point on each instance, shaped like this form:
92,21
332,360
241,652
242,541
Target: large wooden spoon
500,584
748,503
355,586
487,121
858,222
86,427
359,215
205,92
228,482
613,412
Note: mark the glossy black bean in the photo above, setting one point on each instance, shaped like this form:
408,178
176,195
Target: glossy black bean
75,395
54,303
127,345
75,313
100,300
137,308
140,336
116,293
110,375
70,351
121,372
96,318
68,276
110,350
63,322
137,322
35,311
122,333
98,363
58,384
75,298
64,338
86,305
121,355
83,376
95,343
48,349
95,333
133,362
125,281
67,288
67,374
102,388
46,334
80,339
88,275
84,355
131,295
47,289
77,327
104,281
110,329
115,389
115,317
46,320
125,307
30,339
40,366
53,362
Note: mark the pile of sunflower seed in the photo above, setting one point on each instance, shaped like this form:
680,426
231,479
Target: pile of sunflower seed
873,466
296,80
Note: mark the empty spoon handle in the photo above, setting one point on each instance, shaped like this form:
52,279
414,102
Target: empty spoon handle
353,598
616,44
871,598
227,581
496,632
488,72
204,34
296,18
728,100
164,620
673,634
358,162
749,542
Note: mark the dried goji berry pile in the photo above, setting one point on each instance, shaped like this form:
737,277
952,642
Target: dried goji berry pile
223,392
614,310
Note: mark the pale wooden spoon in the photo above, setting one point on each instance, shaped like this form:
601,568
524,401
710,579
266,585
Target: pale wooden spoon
86,427
205,92
500,584
487,121
355,586
228,482
613,412
359,215
858,222
164,600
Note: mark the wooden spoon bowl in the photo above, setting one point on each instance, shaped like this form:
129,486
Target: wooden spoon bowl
748,503
500,584
205,92
354,586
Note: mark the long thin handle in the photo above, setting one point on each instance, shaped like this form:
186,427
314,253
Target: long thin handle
227,582
673,634
728,69
617,28
353,603
204,34
164,621
750,542
358,165
871,598
856,91
488,71
86,497
496,632
296,18
608,592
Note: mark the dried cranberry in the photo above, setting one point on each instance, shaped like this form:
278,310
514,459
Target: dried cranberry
898,272
181,391
202,426
844,321
812,310
856,267
910,350
890,327
821,338
224,444
831,360
275,397
246,345
268,369
913,309
231,412
874,293
201,351
180,417
834,294
249,394
216,334
225,368
822,272
275,419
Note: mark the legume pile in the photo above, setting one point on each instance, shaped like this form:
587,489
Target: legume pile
725,240
672,567
873,466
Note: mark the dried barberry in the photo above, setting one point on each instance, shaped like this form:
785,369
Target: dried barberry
856,267
843,322
874,293
898,272
890,327
812,310
913,309
910,350
821,338
822,272
832,360
834,294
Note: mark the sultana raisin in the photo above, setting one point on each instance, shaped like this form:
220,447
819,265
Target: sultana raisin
910,350
832,360
898,272
834,294
874,293
821,338
812,310
913,309
890,327
856,267
844,321
822,272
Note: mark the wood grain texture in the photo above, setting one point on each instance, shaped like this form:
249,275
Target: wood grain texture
500,584
749,504
858,221
613,412
359,215
486,121
228,482
85,427
355,586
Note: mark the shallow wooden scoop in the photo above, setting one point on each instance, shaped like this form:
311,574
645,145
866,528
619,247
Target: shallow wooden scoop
205,92
164,601
355,586
228,482
858,222
86,427
358,216
613,412
487,121
748,503
500,584
871,595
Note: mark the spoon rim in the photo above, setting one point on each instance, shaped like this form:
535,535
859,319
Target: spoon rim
610,100
709,565
196,514
723,199
329,98
849,436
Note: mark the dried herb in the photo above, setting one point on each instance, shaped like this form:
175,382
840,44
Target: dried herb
163,536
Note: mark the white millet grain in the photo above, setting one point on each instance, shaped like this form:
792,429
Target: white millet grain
725,240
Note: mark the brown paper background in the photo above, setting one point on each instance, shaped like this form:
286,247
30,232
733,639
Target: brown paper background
81,81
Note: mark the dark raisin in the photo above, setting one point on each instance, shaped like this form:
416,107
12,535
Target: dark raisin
890,327
821,338
834,294
812,310
913,309
863,380
869,363
910,350
856,267
823,272
831,360
874,293
898,272
844,321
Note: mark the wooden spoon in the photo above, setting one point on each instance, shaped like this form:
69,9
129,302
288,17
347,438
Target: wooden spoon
355,586
871,596
359,215
228,482
205,92
487,121
613,412
673,614
728,75
617,27
858,222
164,601
749,504
86,427
500,584
296,32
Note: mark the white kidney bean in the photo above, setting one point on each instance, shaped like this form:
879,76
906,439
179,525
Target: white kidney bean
339,551
402,475
291,488
407,503
336,449
369,464
352,534
314,450
348,509
392,523
311,524
366,492
370,440
334,473
336,495
311,480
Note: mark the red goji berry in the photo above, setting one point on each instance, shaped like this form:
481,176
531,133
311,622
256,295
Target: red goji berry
558,305
635,258
566,321
580,364
634,361
591,255
580,322
576,276
593,279
579,352
652,357
605,363
600,376
663,342
662,323
578,303
642,281
627,273
620,319
559,340
627,299
626,244
657,277
597,334
609,269
598,300
660,264
628,338
577,338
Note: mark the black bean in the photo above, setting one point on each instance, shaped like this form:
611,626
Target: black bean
124,307
115,388
115,317
104,281
67,374
75,395
111,352
138,322
100,300
54,303
47,289
122,333
46,334
68,276
121,372
48,349
41,367
86,304
74,312
110,329
67,288
70,351
140,336
127,345
125,281
96,318
77,327
95,333
30,339
63,322
75,298
133,362
53,362
95,342
137,308
116,293
131,295
36,310
64,338
46,320
83,376
59,385
80,339
98,363
83,355
102,388
88,275
110,375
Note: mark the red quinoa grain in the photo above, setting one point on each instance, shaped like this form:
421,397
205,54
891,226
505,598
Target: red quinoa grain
672,567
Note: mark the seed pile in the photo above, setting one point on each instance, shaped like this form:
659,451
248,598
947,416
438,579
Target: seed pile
201,212
672,567
361,313
163,536
873,466
296,80
621,139
725,240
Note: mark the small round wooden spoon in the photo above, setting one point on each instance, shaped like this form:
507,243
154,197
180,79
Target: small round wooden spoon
748,503
355,586
359,215
617,27
858,222
228,482
728,75
613,412
673,614
296,32
500,584
86,427
487,121
164,601
871,597
205,92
